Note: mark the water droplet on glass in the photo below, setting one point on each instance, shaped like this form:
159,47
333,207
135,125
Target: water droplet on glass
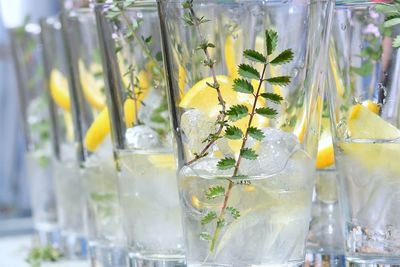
357,100
343,27
386,74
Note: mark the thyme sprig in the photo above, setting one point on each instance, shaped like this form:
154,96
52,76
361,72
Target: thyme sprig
192,19
228,117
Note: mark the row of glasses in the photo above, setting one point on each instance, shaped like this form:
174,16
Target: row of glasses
27,54
71,204
245,126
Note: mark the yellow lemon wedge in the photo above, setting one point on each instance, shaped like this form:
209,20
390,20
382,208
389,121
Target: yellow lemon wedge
205,99
181,80
58,86
92,87
231,46
325,156
166,161
365,124
336,77
372,106
100,127
69,125
98,131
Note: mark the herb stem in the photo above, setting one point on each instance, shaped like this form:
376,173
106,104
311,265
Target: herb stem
140,41
134,96
222,114
236,170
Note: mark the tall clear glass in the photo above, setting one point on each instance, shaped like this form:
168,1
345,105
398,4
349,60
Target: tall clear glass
364,107
244,98
325,242
68,187
33,99
99,176
136,90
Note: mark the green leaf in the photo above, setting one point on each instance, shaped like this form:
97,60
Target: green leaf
226,163
391,22
233,132
221,223
242,86
234,212
248,153
253,55
266,112
214,192
396,42
205,236
279,80
210,216
237,112
272,97
271,38
256,133
247,71
387,9
364,70
284,57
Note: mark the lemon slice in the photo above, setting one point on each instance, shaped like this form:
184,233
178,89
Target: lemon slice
163,161
231,46
365,124
69,125
98,131
58,86
325,156
92,88
205,99
181,80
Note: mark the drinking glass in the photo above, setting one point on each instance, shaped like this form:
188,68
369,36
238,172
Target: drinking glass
99,175
33,98
325,242
136,91
244,98
364,111
71,206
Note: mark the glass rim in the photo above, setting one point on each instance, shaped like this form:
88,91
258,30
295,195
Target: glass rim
141,3
244,2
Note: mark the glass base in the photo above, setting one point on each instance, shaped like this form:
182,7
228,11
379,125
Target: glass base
137,260
370,260
324,259
73,246
47,237
107,255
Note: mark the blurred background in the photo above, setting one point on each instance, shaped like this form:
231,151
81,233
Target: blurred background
14,195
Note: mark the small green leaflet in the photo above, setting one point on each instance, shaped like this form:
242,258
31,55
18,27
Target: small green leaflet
253,55
221,223
234,212
233,132
242,86
272,97
283,57
249,72
248,153
211,215
279,80
256,133
396,42
266,112
387,8
236,112
226,163
205,236
271,38
214,192
391,22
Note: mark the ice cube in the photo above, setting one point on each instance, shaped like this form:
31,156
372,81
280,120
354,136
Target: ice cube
142,137
274,153
196,127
